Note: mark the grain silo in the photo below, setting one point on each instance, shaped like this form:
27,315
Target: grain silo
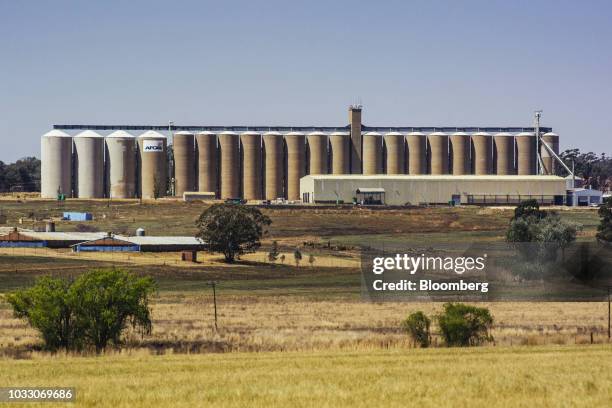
296,163
437,147
525,153
229,166
56,164
460,153
503,154
273,165
372,153
89,164
121,165
183,144
340,145
482,153
251,165
549,163
395,153
153,160
207,153
317,147
416,145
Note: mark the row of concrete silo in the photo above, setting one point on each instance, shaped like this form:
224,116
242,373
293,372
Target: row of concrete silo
90,165
457,153
268,165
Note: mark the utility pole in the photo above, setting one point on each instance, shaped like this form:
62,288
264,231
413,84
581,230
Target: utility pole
213,283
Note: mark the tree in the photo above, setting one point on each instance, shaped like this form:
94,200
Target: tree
107,301
297,256
417,326
92,311
528,208
311,259
47,309
273,254
231,229
464,325
604,229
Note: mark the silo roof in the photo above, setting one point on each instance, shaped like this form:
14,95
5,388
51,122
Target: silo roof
56,133
317,134
481,134
437,134
550,134
89,133
460,134
415,134
372,134
339,134
273,134
250,133
525,134
393,134
206,132
503,134
153,135
294,134
229,133
121,134
184,132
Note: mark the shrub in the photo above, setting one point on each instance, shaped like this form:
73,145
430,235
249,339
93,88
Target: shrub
93,311
464,325
417,326
604,229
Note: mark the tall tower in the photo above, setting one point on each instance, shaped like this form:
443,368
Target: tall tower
356,146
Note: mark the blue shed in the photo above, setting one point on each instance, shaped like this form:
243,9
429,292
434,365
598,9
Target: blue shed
78,216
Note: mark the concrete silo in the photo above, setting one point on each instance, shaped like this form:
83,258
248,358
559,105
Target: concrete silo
89,164
356,149
121,165
273,167
251,165
395,153
525,153
207,153
340,145
318,152
482,153
503,154
372,153
437,147
229,166
549,163
152,157
56,164
183,144
460,153
296,163
417,159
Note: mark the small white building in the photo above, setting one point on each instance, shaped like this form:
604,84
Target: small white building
583,197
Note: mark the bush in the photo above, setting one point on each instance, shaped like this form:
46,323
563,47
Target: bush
464,325
91,312
604,229
417,326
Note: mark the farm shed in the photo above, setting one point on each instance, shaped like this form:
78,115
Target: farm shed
106,244
16,239
167,244
78,216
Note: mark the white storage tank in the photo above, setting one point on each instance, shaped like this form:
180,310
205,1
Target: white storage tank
56,164
89,164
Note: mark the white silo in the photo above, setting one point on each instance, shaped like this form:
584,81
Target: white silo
89,164
56,164
153,160
121,165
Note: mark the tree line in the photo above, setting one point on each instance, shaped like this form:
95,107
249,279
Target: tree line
595,170
23,175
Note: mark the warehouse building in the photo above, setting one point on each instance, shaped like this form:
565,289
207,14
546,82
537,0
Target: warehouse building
267,162
432,189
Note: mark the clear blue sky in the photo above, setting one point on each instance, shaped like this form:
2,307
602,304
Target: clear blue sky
418,63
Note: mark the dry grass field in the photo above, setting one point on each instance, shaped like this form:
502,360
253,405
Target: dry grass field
553,376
